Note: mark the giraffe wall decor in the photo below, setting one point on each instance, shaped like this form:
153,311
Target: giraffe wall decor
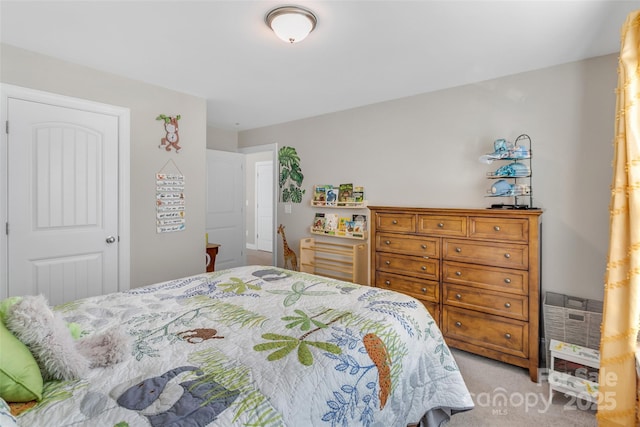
290,257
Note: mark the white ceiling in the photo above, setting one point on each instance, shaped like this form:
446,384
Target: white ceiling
361,52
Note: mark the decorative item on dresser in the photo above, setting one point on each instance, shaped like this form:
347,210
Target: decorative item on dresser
476,270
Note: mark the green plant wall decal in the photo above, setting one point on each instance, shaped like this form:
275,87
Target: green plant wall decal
291,176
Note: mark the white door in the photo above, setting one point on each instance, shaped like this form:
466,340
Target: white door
62,201
225,207
264,206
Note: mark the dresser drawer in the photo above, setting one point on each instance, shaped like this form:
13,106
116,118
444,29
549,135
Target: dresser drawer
399,222
492,278
417,288
484,330
434,310
501,304
510,229
496,254
424,268
410,245
442,225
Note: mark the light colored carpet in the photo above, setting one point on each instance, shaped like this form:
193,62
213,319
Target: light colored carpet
505,396
258,257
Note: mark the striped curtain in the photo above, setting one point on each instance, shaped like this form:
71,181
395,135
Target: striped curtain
617,379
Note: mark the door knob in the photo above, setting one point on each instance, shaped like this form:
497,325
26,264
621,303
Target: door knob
110,239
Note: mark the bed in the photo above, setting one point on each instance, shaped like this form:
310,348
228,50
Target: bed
259,346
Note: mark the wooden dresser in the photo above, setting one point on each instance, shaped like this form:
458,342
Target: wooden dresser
477,271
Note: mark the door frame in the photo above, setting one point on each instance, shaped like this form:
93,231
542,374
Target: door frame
273,148
8,91
255,199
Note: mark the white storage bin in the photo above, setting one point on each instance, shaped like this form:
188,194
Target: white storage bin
572,320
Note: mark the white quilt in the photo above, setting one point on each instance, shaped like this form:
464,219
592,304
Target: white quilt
259,346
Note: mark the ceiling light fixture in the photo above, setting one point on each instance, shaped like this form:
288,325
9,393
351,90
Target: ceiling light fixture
291,23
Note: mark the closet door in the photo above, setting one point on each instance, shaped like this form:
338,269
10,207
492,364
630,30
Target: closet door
62,201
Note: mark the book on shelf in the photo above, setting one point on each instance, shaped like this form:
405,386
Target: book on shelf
359,225
320,194
351,225
358,194
343,223
340,226
331,222
345,195
319,222
332,195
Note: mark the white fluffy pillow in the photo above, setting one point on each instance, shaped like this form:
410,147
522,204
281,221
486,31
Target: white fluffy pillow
105,348
45,333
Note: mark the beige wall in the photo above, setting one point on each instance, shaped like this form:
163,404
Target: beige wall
221,139
420,150
423,151
154,257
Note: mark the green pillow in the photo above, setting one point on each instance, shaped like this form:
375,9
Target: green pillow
20,377
5,304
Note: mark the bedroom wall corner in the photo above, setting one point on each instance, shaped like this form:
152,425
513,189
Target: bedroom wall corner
423,150
154,257
222,139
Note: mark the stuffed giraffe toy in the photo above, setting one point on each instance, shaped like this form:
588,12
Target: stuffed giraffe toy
290,257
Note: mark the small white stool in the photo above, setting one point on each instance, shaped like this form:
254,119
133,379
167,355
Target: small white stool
574,370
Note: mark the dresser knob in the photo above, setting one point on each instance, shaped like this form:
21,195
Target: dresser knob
387,282
423,268
507,304
458,296
507,255
458,273
497,228
395,221
387,242
458,324
388,262
423,246
507,280
424,290
441,225
458,250
507,336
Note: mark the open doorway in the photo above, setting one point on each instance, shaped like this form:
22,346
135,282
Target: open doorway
261,202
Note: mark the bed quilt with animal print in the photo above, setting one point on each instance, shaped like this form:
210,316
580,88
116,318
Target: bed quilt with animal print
259,346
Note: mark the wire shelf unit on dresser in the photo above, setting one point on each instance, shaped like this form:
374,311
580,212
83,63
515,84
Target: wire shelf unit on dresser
513,178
